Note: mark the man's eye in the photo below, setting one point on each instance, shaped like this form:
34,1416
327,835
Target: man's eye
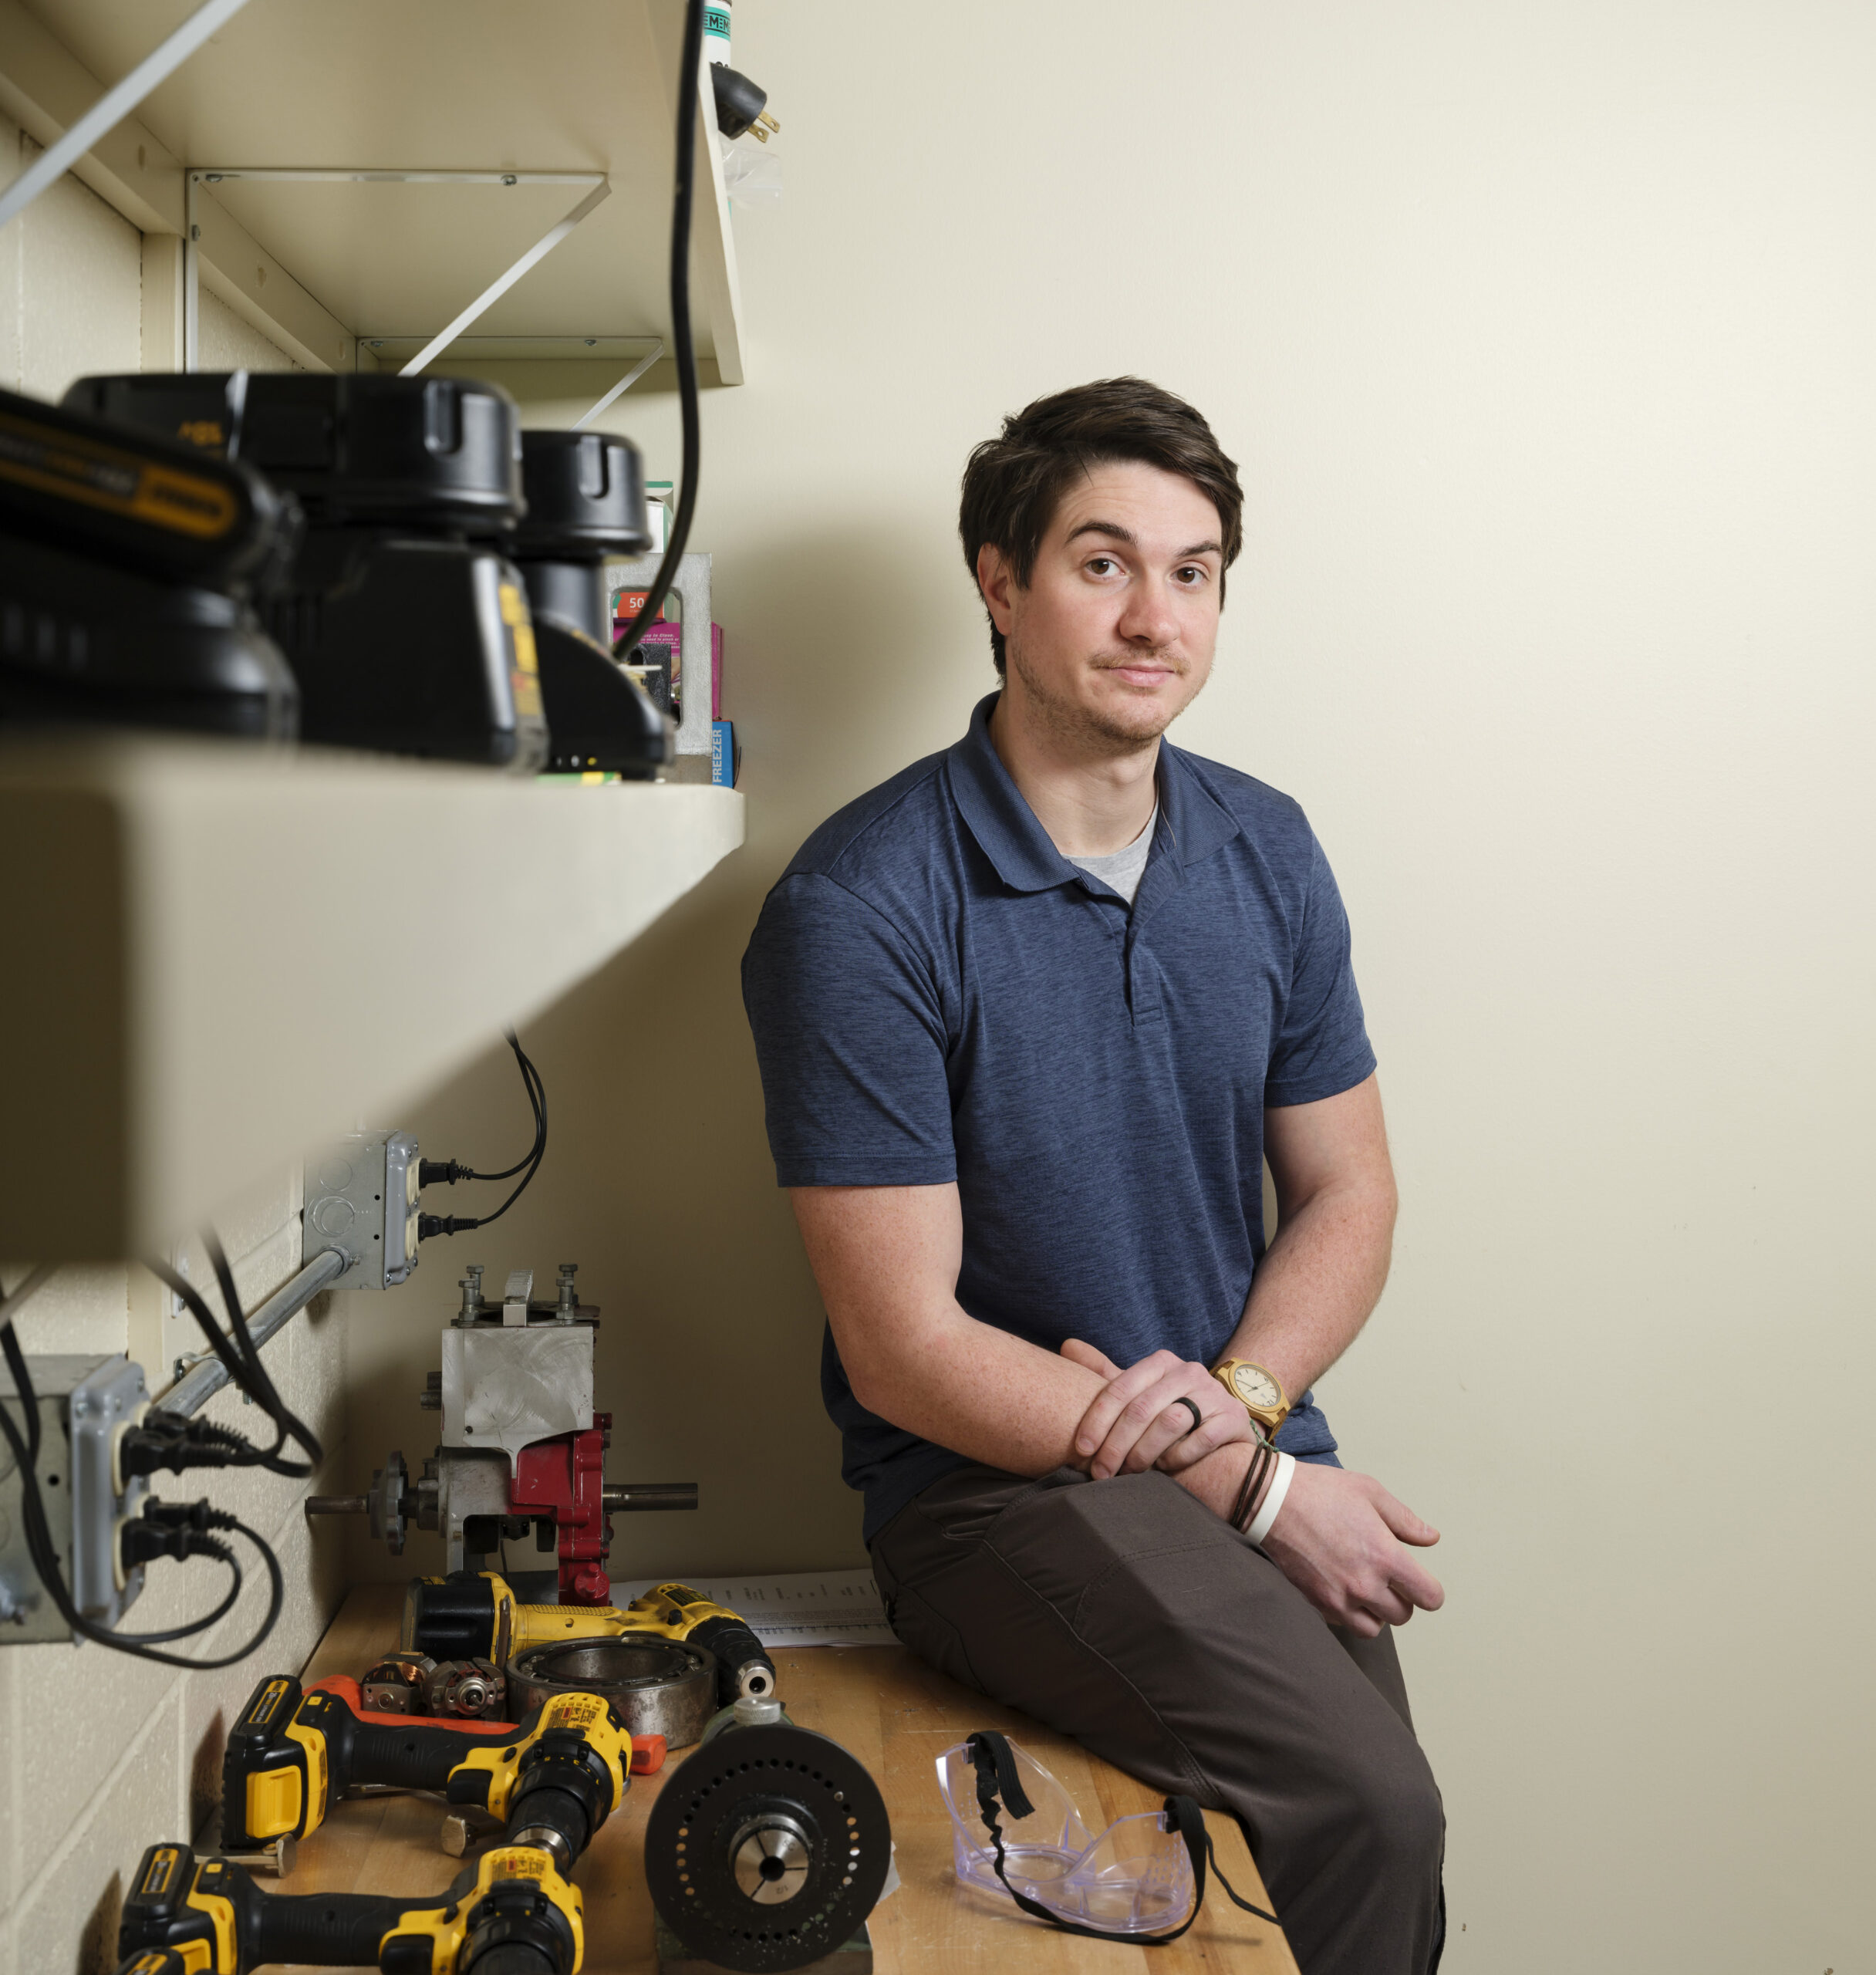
1193,574
1099,566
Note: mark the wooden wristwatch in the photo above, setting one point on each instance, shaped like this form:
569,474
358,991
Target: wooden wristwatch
1257,1390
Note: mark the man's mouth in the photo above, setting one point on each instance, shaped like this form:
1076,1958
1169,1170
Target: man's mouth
1145,673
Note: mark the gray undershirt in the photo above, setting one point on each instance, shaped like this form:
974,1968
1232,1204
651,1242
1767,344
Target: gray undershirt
1120,869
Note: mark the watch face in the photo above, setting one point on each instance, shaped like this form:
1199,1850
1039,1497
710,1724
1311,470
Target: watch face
1255,1386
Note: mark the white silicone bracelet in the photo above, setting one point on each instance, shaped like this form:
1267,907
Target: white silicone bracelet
1273,1497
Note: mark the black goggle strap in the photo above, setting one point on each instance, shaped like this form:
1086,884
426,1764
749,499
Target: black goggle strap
994,1762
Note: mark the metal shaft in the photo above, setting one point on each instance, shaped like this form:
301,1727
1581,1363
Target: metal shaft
338,1505
192,1393
619,1496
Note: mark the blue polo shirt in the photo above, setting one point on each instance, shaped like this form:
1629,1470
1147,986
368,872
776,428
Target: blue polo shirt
938,995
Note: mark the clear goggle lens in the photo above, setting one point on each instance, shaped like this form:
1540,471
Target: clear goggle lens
1135,1879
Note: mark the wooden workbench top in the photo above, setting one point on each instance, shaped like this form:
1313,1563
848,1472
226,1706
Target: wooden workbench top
897,1716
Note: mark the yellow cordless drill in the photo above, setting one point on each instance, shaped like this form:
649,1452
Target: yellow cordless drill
554,1779
475,1616
510,1913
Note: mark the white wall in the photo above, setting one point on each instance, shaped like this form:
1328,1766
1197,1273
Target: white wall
71,282
226,342
101,1755
1543,333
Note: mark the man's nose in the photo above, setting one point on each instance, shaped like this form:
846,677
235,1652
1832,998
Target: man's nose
1147,617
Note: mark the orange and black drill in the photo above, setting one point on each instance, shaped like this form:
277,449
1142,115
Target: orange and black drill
553,1779
510,1913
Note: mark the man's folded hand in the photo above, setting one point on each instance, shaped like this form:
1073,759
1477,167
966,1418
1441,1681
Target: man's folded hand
1138,1422
1341,1538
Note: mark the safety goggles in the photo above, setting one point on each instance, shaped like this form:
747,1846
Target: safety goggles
1142,1876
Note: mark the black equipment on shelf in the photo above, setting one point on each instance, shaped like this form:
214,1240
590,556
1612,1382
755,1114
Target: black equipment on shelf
128,567
585,501
405,623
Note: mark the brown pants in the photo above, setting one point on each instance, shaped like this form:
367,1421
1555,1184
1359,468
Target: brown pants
1125,1614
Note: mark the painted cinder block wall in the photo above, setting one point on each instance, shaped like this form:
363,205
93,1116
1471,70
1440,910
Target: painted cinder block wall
100,1754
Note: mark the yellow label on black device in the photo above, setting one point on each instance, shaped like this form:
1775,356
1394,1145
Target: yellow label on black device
266,1703
75,469
525,674
574,1710
162,1871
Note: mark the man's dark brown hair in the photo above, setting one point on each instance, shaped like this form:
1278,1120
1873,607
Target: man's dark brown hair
1015,483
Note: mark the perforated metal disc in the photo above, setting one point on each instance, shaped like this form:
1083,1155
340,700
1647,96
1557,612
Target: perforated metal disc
780,1777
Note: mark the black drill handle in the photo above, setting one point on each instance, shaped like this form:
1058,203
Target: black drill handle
329,1929
419,1757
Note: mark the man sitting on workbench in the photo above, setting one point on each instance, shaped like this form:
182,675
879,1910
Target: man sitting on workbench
1032,1016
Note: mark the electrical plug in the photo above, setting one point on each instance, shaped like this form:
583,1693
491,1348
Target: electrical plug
742,105
173,1529
162,1440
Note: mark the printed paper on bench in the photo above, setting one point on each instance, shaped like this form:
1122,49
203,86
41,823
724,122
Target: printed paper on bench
804,1607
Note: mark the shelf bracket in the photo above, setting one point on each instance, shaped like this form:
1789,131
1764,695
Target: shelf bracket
597,187
500,285
115,104
623,386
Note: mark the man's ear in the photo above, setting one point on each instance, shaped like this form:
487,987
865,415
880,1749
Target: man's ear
996,579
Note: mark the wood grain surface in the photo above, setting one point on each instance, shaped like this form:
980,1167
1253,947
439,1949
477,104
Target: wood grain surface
897,1716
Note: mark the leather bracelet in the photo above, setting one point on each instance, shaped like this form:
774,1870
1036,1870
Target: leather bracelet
1255,1477
1248,1487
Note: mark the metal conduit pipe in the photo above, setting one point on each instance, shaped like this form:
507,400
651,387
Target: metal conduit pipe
190,1393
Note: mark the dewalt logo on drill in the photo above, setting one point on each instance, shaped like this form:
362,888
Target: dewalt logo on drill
265,1705
156,1879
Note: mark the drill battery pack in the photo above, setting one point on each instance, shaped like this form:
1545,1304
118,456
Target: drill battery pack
128,562
405,623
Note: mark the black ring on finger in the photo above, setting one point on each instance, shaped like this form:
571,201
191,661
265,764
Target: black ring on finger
1192,1407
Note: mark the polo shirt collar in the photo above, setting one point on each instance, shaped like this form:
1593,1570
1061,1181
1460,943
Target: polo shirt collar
1193,823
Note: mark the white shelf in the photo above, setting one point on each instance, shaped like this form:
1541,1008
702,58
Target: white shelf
218,955
581,85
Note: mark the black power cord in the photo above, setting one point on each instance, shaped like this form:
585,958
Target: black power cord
176,1529
449,1172
286,1423
240,1359
683,192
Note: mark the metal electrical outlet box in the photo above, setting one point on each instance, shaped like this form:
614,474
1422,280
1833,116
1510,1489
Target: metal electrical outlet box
361,1197
84,1403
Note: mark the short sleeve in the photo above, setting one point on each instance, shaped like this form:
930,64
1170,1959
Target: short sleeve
850,1036
1321,1048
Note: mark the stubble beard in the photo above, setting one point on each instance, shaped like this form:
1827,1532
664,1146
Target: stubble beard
1081,729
